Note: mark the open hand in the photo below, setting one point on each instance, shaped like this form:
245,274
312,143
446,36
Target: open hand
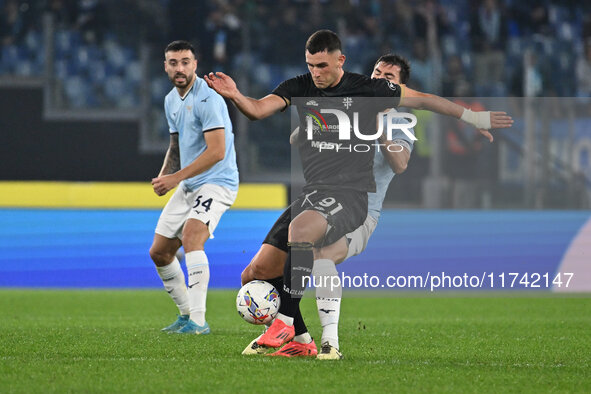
499,120
222,84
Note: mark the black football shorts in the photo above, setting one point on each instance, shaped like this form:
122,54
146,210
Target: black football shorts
344,210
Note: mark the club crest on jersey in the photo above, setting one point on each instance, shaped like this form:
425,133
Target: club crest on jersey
391,85
347,102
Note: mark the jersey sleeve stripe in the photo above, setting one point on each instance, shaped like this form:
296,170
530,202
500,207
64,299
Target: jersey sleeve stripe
213,128
284,99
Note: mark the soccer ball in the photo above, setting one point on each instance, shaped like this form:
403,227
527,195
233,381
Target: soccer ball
258,302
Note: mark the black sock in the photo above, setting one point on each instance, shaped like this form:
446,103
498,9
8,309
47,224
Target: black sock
276,282
298,323
298,320
299,263
278,285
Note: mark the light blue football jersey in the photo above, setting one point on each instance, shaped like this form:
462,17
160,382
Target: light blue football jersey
383,173
200,111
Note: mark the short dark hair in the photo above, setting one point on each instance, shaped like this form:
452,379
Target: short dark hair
397,60
323,40
180,45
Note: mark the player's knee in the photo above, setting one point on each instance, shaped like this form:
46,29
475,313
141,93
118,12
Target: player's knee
302,231
160,257
265,270
298,234
339,256
332,253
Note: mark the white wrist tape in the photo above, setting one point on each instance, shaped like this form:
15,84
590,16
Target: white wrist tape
480,119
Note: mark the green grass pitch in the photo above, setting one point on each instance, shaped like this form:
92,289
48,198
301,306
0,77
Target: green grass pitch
109,341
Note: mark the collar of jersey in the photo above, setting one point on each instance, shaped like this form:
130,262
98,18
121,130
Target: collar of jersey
188,91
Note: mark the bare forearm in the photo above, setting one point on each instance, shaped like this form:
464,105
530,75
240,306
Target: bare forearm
252,108
247,106
435,104
213,153
398,161
396,155
172,161
201,164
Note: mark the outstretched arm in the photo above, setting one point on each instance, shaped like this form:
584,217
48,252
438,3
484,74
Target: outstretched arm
482,120
253,109
395,154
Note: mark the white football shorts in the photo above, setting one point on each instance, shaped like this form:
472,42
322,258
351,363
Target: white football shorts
207,204
360,236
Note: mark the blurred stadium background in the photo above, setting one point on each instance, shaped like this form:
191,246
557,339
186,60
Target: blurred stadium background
83,132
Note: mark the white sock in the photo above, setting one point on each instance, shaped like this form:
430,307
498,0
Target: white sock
173,279
286,319
198,270
328,300
303,338
328,311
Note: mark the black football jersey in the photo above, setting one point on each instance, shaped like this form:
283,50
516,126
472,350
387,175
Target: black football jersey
327,159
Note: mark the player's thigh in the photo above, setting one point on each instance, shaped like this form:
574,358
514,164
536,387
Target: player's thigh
342,211
208,204
349,214
308,226
195,233
277,235
267,263
173,216
164,249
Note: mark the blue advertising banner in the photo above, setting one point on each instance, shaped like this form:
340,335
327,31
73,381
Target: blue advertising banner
410,249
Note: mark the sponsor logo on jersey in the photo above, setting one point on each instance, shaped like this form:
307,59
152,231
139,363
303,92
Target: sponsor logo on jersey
345,125
318,119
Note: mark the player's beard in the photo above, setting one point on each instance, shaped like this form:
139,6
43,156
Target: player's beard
187,81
